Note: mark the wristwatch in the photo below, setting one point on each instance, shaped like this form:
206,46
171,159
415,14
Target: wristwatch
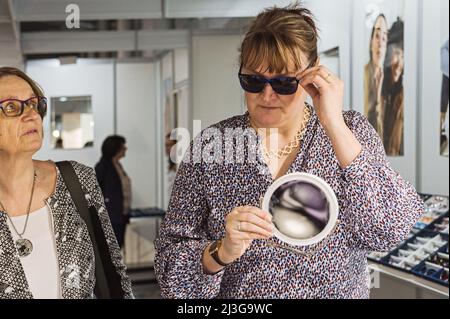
214,252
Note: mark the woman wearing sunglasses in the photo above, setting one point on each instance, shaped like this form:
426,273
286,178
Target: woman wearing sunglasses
216,242
45,247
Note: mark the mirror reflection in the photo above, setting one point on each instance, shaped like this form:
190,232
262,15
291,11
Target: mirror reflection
72,122
300,210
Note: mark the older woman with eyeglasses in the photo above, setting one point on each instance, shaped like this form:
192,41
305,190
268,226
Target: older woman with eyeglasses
215,240
45,247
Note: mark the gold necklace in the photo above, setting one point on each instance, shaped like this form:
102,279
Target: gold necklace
293,144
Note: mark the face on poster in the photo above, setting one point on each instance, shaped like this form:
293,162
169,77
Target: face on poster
383,72
444,79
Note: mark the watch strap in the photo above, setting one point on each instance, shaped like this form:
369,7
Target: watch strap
214,252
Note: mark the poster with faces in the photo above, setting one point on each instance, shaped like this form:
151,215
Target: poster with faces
384,70
443,79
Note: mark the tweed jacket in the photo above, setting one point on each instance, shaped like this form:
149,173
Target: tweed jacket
73,244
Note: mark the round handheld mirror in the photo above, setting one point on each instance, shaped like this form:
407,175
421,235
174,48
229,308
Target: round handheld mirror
304,208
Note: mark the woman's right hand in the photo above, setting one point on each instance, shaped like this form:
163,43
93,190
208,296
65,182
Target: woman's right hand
243,224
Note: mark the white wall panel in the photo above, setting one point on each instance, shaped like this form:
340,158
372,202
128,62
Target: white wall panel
95,80
217,94
434,167
136,121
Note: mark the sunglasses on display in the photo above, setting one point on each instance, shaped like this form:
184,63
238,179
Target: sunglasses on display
444,276
15,107
440,259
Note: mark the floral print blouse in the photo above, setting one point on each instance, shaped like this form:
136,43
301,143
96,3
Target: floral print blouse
377,209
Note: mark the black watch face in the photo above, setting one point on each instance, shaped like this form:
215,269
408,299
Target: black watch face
303,207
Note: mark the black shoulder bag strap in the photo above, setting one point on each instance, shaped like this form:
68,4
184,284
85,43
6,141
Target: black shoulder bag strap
107,280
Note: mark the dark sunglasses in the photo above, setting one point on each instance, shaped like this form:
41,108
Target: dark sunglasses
14,107
283,85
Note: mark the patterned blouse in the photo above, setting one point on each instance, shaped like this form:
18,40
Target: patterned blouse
377,210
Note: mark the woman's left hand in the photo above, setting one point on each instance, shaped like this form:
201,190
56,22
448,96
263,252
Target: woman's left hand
327,93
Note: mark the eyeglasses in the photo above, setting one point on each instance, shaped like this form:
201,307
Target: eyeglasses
15,107
283,85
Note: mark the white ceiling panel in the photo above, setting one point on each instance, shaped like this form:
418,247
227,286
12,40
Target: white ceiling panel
162,40
55,10
217,8
103,41
64,42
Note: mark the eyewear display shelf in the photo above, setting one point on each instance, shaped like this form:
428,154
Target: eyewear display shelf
419,266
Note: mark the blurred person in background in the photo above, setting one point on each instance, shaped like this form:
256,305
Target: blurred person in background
115,184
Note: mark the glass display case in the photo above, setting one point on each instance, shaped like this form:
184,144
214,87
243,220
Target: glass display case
424,253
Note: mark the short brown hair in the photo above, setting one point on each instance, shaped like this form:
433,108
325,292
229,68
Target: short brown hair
9,71
279,35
